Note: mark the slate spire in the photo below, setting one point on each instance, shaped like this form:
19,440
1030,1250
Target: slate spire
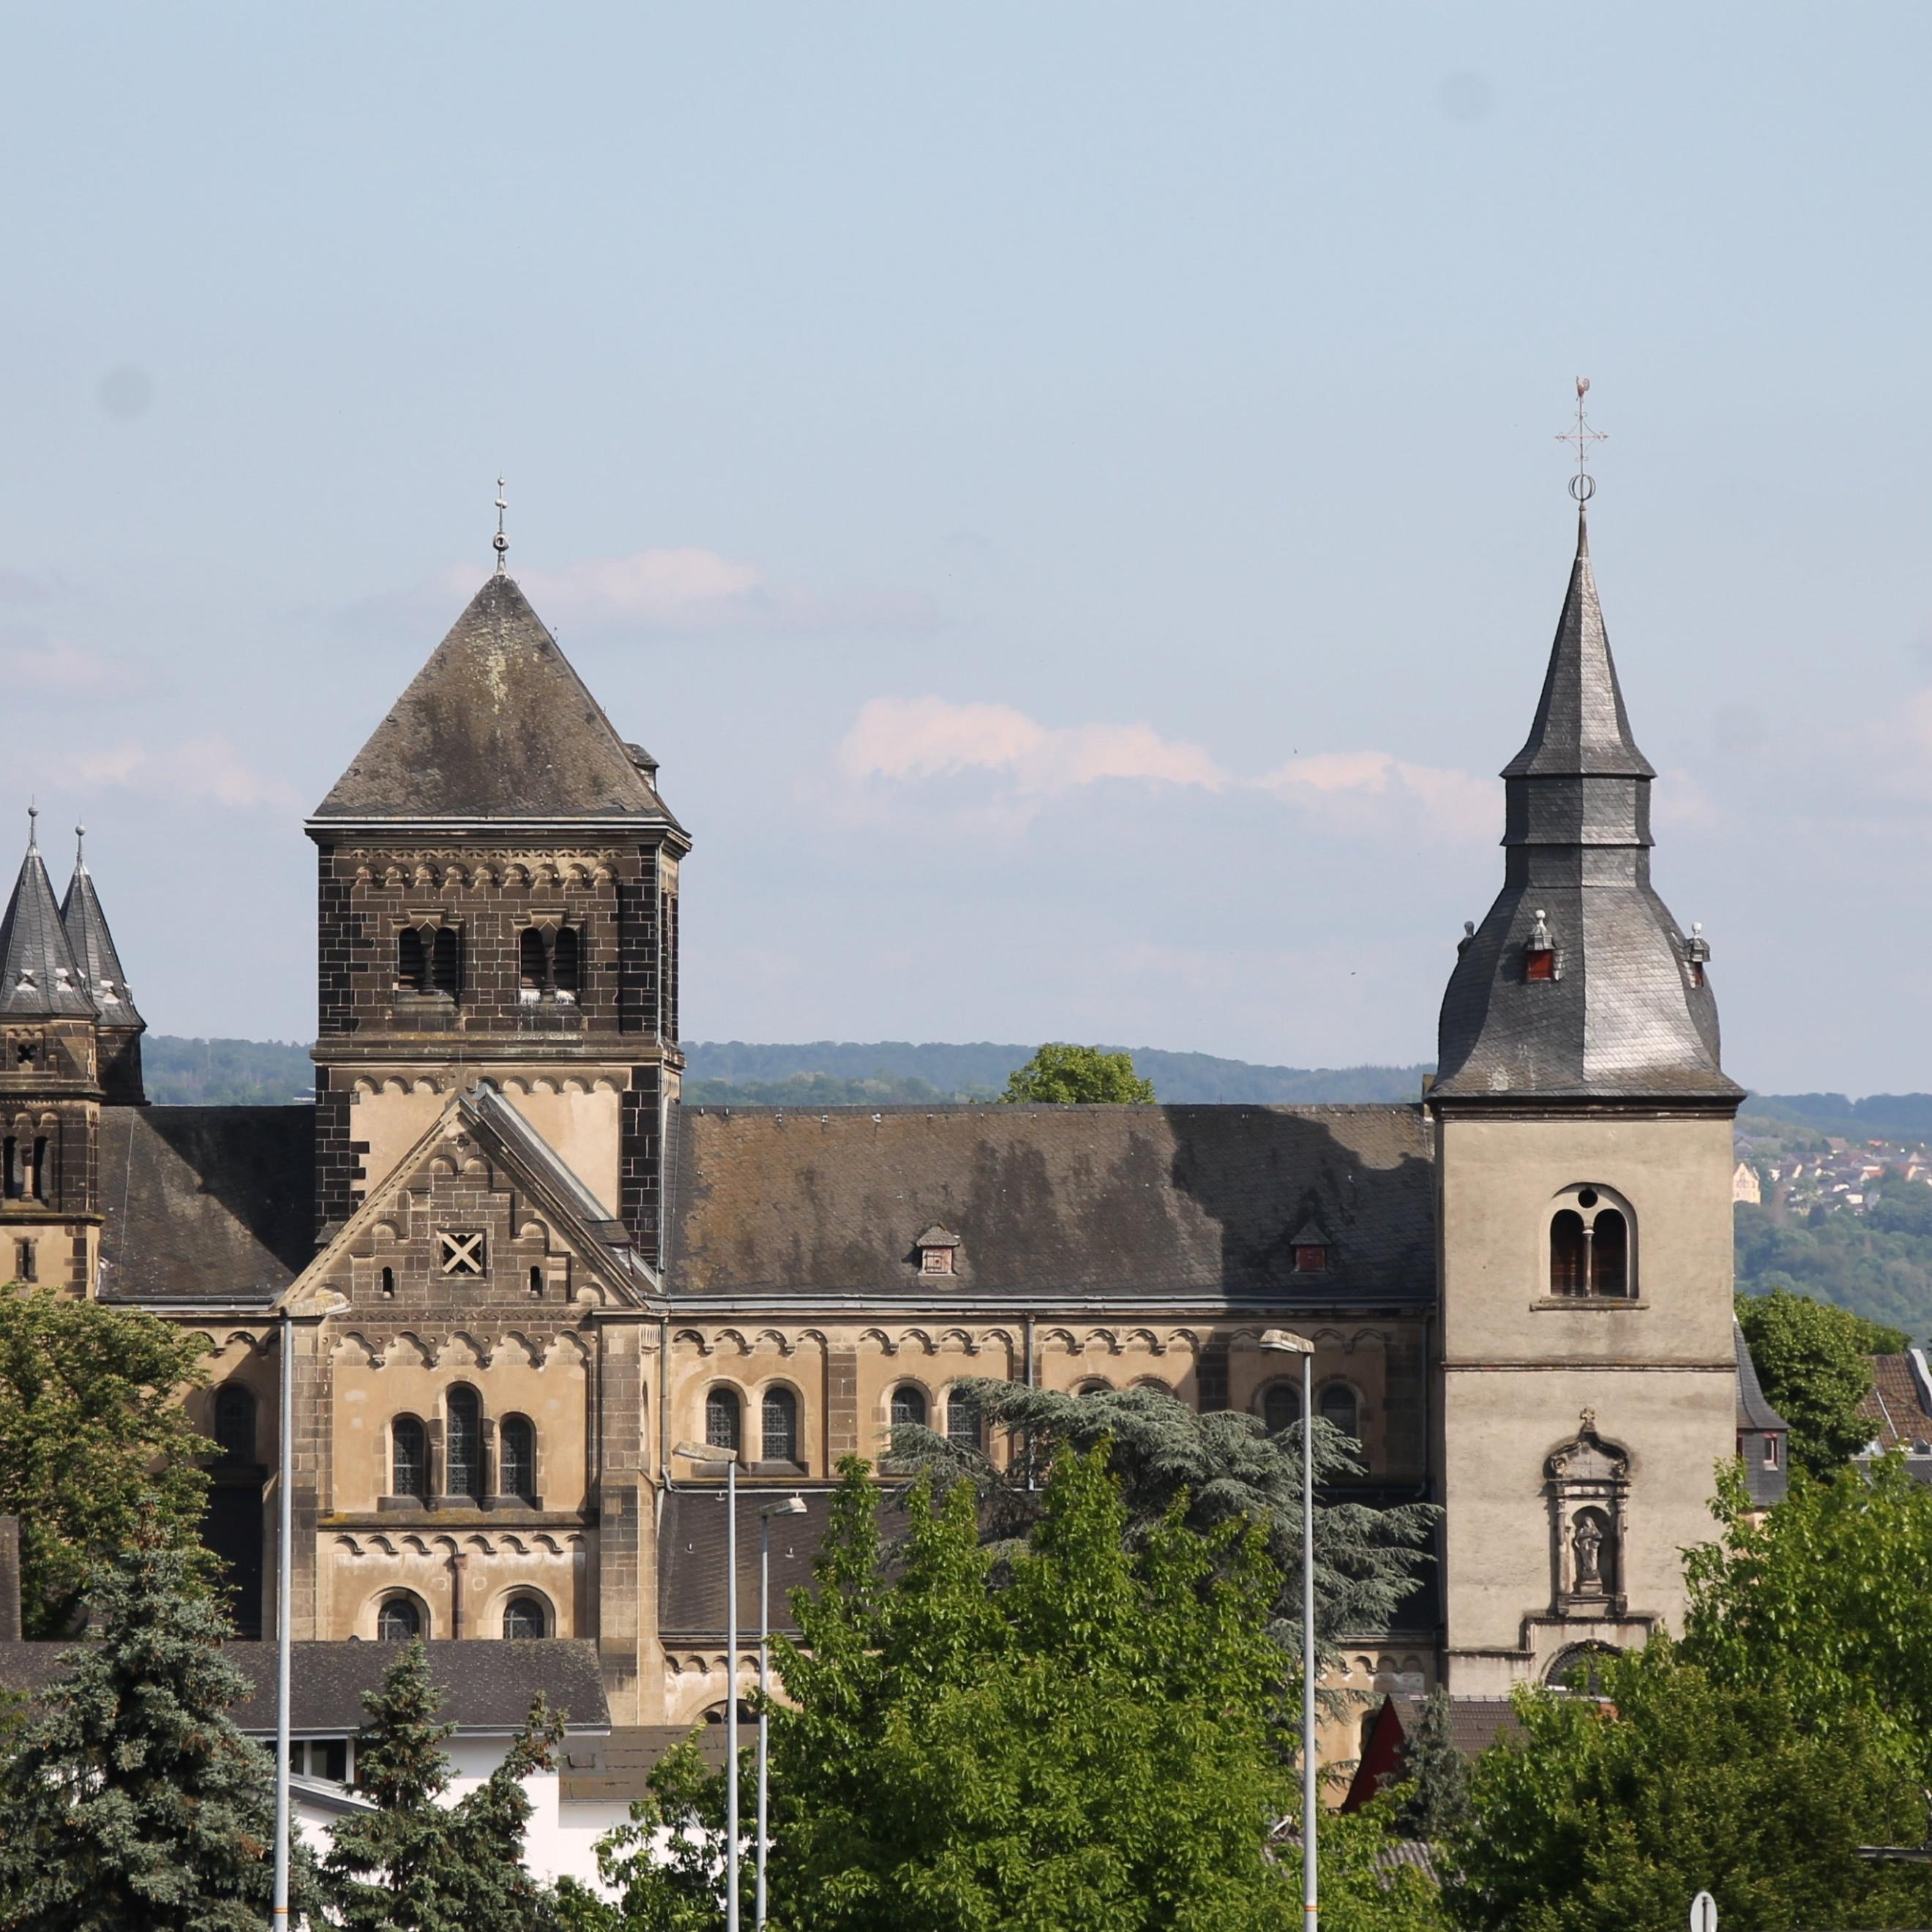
496,725
1578,984
40,978
93,944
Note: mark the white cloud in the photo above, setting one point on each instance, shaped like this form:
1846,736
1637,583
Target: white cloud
208,769
688,588
1457,804
57,670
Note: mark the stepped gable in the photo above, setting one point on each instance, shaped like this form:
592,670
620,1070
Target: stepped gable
40,978
496,725
86,928
1580,984
1120,1202
206,1203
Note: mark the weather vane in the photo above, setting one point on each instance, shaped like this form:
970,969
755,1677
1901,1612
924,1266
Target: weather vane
1583,485
500,542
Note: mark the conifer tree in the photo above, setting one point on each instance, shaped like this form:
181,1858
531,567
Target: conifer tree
131,1799
415,1864
1433,1799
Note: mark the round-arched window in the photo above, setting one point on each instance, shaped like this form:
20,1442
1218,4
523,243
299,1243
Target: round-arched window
1339,1405
1095,1385
778,1426
463,1444
408,1458
526,1616
517,1460
400,1619
965,1426
1281,1406
724,1419
235,1423
908,1407
1590,1244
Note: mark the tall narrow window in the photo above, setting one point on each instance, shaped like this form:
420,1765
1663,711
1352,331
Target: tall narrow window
965,1427
533,967
1281,1407
1338,1406
908,1407
777,1426
723,1420
1610,1253
463,1453
388,1281
446,960
563,962
235,1423
25,1268
400,1619
12,1151
408,1458
1569,1254
36,1179
412,963
536,1283
517,1460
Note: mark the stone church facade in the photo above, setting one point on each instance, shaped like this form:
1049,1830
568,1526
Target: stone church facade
518,1270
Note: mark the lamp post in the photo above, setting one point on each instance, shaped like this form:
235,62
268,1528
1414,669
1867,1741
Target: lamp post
285,1455
1281,1341
710,1452
790,1506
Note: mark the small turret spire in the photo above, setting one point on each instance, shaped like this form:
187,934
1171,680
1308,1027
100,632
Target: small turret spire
500,543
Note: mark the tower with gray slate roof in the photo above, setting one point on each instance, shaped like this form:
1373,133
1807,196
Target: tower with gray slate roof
1586,1379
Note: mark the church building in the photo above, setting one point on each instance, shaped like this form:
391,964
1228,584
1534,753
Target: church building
518,1272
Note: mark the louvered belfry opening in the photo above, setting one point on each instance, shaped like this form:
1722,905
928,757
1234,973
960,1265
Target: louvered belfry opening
411,967
1569,1254
533,967
446,962
563,962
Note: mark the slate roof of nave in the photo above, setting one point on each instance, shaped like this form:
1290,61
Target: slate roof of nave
496,725
205,1202
1120,1202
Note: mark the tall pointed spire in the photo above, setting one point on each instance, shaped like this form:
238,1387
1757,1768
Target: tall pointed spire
40,978
93,943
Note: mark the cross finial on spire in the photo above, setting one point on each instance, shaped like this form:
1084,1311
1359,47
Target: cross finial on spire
1583,485
500,542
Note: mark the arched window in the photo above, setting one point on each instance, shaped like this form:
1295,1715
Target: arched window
777,1426
1569,1254
1095,1385
536,1283
965,1426
724,1418
412,962
517,1460
462,1444
408,1458
1281,1406
1591,1245
533,966
446,960
388,1281
563,962
1338,1405
908,1407
399,1619
526,1616
235,1422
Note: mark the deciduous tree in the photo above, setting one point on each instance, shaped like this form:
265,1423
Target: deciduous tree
1813,1360
1061,1075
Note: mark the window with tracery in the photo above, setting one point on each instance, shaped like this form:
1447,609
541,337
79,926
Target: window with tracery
235,1423
965,1425
462,1444
1339,1405
400,1619
724,1419
908,1407
1281,1406
517,1460
777,1426
1590,1245
525,1616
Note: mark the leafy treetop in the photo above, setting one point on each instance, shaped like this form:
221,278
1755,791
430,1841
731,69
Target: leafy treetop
1061,1075
1813,1360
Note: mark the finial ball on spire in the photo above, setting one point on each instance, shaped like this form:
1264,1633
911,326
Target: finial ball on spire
499,543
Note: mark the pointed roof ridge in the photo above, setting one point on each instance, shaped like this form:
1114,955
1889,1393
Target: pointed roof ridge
92,944
1581,728
497,723
40,978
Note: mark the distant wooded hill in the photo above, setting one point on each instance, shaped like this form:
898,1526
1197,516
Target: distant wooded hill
226,1072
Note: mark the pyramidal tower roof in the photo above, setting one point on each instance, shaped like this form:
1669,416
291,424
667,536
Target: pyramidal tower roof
496,725
40,979
1579,985
93,945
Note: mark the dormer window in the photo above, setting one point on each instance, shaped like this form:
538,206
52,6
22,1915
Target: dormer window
1539,951
938,1251
1311,1257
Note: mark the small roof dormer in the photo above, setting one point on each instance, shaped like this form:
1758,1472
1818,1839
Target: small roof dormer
938,1251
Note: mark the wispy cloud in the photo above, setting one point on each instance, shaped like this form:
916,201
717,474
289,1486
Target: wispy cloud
208,770
54,669
1456,803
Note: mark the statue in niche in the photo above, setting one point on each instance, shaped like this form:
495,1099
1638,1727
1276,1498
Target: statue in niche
1586,1542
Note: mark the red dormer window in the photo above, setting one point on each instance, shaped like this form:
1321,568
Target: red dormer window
1311,1257
1539,963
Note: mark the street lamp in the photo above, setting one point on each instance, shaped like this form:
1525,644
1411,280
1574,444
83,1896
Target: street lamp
711,1452
790,1506
1282,1341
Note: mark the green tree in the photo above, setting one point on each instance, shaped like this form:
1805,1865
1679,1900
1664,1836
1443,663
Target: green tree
1611,1816
1219,1469
95,1453
1433,1800
1813,1361
415,1864
1061,1075
1092,1746
1821,1600
131,1799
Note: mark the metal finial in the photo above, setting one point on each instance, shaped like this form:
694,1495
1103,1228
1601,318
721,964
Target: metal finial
79,848
500,542
1583,485
33,829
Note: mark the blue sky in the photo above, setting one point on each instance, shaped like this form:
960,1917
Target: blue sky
1068,492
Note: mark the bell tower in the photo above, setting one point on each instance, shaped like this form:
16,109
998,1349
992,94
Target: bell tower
1586,1377
49,1091
498,882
